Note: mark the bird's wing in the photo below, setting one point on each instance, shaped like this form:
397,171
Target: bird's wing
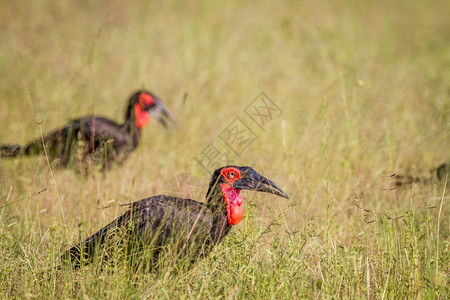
179,222
88,135
101,129
91,127
56,141
108,140
155,221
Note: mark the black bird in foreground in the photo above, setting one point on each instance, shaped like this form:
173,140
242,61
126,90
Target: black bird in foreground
97,140
437,174
184,228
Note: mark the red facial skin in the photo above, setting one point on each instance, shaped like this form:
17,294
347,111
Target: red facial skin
231,196
142,117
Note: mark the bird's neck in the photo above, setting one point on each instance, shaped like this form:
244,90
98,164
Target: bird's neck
216,203
130,126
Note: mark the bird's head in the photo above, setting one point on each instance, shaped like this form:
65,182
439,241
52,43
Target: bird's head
232,179
145,104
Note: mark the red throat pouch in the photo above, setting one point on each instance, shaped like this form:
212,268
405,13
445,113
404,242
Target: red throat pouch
233,200
142,117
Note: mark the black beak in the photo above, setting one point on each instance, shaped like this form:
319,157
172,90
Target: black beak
160,112
252,180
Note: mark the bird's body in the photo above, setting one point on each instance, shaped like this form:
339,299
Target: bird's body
93,140
186,227
438,174
89,140
156,222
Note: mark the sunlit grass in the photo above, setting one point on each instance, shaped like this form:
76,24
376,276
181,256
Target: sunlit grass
364,93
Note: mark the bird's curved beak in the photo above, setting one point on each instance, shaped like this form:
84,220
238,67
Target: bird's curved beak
162,114
256,182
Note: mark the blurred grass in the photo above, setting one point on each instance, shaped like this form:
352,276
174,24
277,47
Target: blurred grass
364,90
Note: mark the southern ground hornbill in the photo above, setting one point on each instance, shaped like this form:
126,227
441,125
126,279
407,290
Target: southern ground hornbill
438,174
96,140
183,228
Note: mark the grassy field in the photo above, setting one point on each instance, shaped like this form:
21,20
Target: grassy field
363,91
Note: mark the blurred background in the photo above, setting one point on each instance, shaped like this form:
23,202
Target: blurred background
361,90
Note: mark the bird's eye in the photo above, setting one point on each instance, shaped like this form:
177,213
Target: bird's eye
230,174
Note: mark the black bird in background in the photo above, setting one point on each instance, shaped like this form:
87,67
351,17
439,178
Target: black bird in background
96,140
436,174
183,227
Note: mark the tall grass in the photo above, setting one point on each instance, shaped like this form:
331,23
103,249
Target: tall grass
364,92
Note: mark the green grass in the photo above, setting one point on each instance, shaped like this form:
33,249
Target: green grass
364,90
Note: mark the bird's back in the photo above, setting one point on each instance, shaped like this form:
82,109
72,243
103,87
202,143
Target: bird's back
181,226
87,141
